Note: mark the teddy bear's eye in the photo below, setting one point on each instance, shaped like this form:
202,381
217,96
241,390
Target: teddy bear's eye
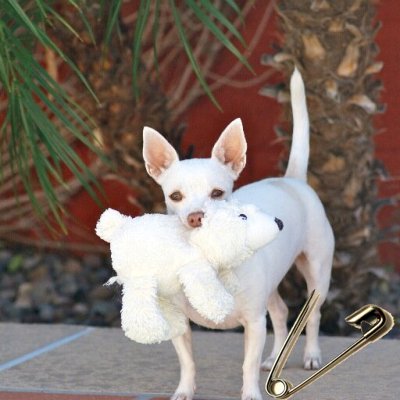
176,196
243,216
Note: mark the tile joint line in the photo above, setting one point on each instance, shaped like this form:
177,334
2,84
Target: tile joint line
45,349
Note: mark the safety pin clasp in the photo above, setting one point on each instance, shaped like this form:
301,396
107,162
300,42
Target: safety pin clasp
373,321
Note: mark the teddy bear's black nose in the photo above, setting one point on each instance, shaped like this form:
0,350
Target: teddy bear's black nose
279,223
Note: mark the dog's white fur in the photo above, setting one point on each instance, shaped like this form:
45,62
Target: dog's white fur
307,239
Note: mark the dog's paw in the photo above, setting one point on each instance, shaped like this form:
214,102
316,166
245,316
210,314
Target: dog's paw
183,393
268,363
312,361
182,396
251,394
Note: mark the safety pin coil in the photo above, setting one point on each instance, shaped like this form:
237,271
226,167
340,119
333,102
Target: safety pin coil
373,321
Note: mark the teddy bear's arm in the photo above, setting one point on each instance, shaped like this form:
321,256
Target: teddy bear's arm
205,292
141,317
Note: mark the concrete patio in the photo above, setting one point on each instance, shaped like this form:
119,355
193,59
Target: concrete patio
61,362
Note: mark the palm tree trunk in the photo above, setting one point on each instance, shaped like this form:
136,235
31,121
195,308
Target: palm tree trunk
166,88
332,43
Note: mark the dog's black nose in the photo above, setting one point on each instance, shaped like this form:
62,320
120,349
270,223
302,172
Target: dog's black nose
279,223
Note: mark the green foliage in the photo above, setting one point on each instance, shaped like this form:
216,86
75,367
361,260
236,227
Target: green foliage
37,105
40,115
112,8
204,11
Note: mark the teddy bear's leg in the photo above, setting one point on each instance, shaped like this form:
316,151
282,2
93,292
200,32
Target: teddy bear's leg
205,291
230,280
141,317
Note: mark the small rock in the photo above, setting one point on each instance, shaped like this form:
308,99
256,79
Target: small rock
92,261
7,294
104,313
46,312
43,292
100,293
7,282
80,309
32,261
5,256
102,275
72,267
101,307
56,265
60,301
39,273
67,285
24,297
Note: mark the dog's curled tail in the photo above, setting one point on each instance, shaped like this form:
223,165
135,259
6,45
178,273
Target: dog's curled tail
108,222
300,149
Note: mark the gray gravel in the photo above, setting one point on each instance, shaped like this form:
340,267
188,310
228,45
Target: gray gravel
45,287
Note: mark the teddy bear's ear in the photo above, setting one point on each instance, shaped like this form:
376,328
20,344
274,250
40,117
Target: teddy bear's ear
109,221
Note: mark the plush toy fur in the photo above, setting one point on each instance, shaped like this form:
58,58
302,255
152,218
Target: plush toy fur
156,256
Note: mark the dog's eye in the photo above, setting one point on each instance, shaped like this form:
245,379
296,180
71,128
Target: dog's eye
176,196
217,193
243,216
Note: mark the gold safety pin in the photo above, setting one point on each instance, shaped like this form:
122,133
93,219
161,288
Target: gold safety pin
373,321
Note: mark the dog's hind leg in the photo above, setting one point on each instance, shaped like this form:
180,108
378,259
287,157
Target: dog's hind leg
183,347
317,274
278,312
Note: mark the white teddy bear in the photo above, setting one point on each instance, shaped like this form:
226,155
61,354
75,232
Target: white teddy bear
156,257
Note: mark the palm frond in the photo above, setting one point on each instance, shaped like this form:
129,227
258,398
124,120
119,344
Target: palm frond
188,49
32,144
114,7
142,18
208,14
31,24
36,104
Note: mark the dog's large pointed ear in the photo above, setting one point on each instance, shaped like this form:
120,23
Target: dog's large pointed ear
230,148
158,154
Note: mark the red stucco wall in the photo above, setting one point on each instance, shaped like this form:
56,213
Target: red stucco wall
260,115
388,139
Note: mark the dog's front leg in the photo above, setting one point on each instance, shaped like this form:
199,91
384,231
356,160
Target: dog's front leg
254,336
183,347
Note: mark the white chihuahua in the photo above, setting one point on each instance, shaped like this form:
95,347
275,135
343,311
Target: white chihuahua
307,239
